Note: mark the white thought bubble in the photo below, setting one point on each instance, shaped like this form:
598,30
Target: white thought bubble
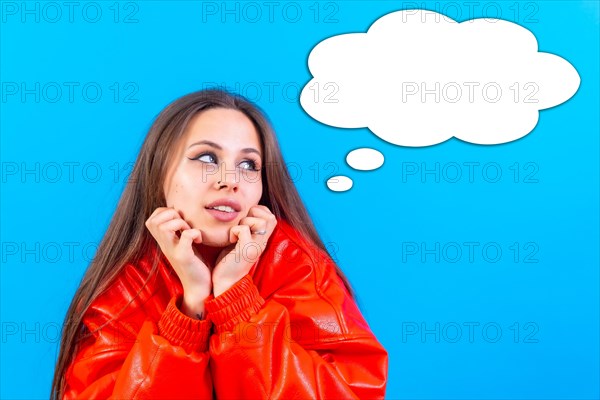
339,183
365,159
420,78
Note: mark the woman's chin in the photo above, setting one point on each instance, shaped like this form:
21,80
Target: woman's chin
215,239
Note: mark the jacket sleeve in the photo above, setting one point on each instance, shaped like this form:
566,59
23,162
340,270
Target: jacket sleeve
164,360
307,340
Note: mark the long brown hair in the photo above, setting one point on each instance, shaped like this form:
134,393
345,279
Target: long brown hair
127,239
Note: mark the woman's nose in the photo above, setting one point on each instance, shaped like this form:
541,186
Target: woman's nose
227,178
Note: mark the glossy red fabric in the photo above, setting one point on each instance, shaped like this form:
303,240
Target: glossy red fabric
287,330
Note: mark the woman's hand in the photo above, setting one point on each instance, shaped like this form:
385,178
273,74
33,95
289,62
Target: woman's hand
195,276
250,238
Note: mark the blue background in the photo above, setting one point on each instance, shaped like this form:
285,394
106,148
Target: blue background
544,298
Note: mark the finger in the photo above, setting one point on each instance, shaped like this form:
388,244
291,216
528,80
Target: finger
159,217
174,225
158,211
264,213
259,211
167,233
240,234
250,246
188,236
258,226
166,215
149,222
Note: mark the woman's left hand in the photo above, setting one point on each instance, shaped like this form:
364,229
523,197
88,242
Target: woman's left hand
250,239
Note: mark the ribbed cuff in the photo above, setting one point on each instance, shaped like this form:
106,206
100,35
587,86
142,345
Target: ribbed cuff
236,304
181,330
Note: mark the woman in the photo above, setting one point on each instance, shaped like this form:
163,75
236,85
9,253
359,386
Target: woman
211,281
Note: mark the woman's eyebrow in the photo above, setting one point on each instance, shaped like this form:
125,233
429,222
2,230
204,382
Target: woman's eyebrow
251,150
216,146
207,142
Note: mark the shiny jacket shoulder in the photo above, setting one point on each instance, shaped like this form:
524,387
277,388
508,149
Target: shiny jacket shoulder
288,329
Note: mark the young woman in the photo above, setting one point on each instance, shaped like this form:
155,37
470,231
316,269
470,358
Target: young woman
211,280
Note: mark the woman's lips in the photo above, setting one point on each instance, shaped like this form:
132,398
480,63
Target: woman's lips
223,216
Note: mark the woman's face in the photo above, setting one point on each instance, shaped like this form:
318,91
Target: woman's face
214,178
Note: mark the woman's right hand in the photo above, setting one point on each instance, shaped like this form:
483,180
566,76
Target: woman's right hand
195,276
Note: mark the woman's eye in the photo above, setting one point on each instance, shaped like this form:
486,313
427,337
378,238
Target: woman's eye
207,158
249,165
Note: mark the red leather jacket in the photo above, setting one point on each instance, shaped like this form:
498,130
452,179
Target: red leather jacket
288,329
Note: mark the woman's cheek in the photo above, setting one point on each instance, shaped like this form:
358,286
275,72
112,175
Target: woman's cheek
258,194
